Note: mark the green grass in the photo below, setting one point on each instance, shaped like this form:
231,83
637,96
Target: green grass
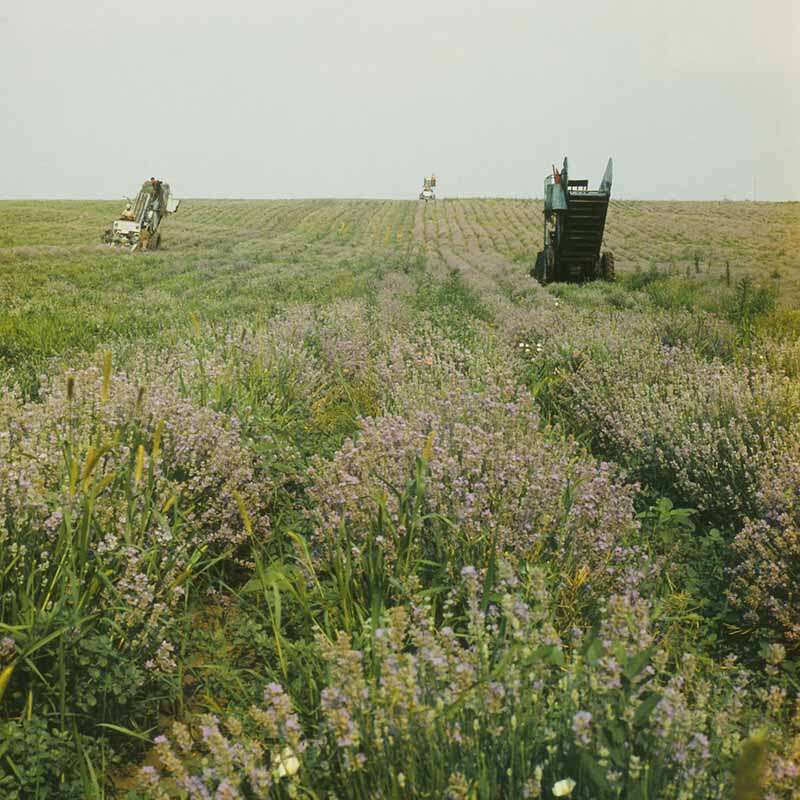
241,264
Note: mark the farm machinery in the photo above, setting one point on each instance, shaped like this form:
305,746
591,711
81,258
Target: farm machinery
574,221
137,226
428,185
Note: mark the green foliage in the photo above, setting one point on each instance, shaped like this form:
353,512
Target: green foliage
38,761
636,281
105,678
748,303
451,305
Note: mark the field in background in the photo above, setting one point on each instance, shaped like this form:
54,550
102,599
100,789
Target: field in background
61,290
330,498
760,237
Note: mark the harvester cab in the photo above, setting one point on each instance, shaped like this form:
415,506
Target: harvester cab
428,186
137,226
574,221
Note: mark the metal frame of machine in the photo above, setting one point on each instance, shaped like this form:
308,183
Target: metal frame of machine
574,222
137,226
428,186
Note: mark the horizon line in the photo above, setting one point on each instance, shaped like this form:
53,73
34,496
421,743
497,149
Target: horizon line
355,198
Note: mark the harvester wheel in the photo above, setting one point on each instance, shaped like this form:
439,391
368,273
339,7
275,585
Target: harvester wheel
538,268
607,266
155,241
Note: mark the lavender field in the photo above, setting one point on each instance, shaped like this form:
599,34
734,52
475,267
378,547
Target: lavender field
329,499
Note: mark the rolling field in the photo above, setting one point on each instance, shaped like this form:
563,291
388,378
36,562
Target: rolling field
330,499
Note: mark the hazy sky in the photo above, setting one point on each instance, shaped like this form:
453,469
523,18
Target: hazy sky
238,98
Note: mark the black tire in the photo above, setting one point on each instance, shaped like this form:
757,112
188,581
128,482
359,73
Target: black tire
155,241
538,269
607,266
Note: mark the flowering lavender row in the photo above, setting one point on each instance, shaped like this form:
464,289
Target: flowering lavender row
111,495
495,476
495,697
717,434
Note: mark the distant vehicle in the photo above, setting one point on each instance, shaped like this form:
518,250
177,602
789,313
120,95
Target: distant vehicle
137,226
574,221
428,185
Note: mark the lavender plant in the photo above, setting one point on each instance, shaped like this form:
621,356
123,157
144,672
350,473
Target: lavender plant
767,573
113,499
701,432
493,483
487,701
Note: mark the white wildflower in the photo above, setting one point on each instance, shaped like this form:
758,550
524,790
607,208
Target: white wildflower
564,787
285,764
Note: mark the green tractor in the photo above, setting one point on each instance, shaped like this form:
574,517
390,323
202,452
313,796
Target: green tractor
574,221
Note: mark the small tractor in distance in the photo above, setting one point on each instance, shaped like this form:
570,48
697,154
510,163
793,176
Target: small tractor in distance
574,221
428,185
137,226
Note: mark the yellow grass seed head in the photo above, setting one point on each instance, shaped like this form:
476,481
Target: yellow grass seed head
157,440
248,525
104,483
137,477
92,457
5,677
427,451
106,376
73,476
751,767
579,578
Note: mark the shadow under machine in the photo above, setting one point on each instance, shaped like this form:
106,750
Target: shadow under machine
137,226
574,222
